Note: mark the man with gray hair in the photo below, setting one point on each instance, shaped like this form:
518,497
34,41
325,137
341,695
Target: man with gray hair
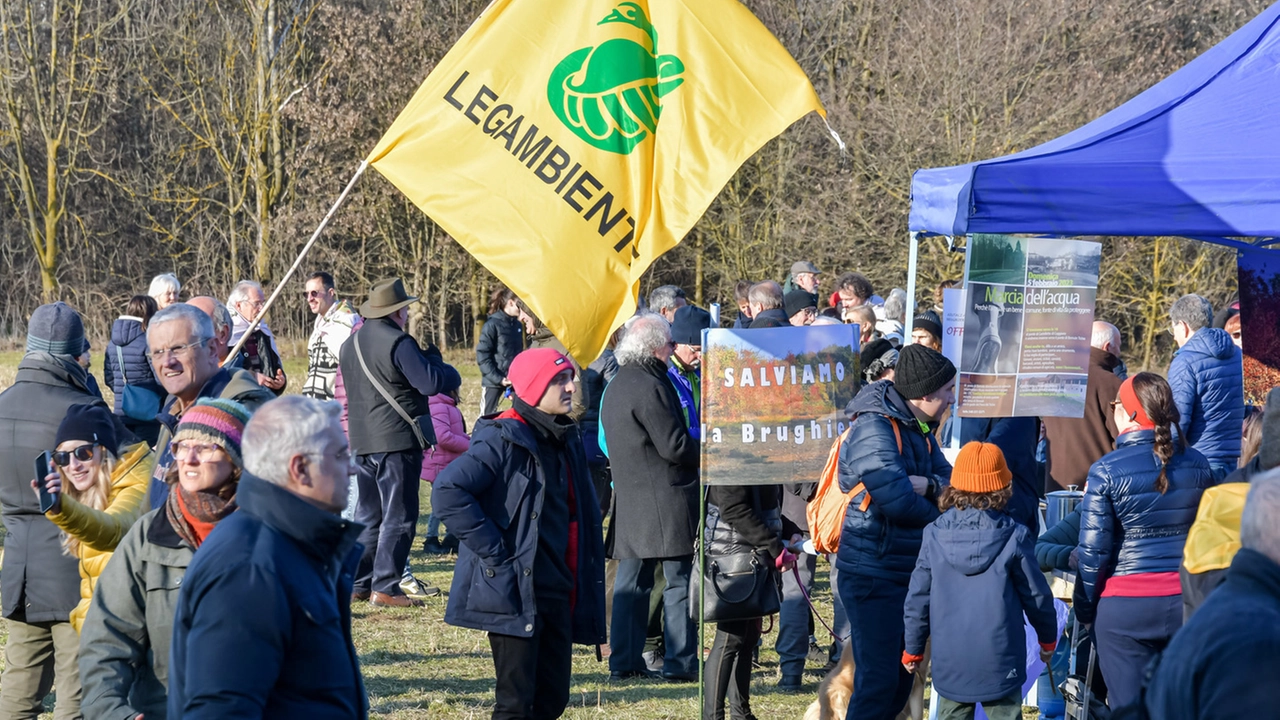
259,354
184,354
1208,384
765,301
1077,443
655,485
288,549
221,318
1217,665
666,300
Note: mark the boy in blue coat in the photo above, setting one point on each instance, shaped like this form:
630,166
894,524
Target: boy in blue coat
974,579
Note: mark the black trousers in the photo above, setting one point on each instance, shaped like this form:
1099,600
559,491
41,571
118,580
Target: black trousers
534,673
728,670
388,509
490,397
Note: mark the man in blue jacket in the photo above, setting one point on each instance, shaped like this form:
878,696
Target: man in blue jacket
530,567
1219,665
263,623
1208,384
900,467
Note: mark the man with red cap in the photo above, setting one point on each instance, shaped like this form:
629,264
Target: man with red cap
530,568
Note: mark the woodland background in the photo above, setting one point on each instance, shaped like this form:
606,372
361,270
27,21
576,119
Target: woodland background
208,137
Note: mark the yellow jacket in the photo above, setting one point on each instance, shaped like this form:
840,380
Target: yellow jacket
101,530
1214,538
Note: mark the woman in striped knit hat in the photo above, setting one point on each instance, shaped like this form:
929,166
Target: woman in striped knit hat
124,649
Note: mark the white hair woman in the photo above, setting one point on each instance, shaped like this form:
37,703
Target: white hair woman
164,289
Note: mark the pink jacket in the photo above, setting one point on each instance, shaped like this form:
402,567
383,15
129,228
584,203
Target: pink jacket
451,436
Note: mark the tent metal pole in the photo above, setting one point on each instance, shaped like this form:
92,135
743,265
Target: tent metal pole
912,261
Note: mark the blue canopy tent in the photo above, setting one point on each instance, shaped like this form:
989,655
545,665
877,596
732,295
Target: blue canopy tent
1197,155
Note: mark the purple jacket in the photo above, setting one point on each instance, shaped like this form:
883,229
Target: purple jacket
451,436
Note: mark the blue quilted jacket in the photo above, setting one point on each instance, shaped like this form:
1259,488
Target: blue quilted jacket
884,541
1126,525
128,335
1208,387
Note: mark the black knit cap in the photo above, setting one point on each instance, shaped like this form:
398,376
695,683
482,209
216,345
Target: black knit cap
690,321
797,300
90,423
921,370
928,320
876,357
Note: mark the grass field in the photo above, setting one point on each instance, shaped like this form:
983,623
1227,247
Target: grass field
417,667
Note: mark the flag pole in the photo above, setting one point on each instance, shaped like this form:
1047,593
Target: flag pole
298,261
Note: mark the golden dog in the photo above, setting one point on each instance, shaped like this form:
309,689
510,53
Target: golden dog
837,688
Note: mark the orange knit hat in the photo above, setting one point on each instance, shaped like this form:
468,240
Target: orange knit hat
980,468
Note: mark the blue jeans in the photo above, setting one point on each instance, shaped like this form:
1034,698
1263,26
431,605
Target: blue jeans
631,590
793,617
880,684
388,509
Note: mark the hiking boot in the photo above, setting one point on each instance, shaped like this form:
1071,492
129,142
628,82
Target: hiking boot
449,543
790,683
432,546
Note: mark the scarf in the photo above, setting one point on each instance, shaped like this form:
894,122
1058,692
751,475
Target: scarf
547,426
193,515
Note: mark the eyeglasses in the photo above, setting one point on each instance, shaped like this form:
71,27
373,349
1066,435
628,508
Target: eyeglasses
179,351
205,452
62,458
254,303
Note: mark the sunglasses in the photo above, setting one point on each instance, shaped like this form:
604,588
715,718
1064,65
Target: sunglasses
62,458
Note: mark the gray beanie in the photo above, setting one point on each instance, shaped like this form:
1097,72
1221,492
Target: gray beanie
56,328
1269,453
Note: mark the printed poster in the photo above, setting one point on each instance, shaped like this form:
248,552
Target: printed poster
1028,321
1260,322
773,401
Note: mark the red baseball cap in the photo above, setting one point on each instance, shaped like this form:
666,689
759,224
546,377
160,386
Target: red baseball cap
532,371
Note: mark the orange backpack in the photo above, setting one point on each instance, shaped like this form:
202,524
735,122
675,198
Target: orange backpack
827,509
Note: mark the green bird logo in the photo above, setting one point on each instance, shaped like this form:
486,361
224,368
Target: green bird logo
610,95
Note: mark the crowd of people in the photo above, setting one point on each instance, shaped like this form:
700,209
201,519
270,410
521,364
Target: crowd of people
573,506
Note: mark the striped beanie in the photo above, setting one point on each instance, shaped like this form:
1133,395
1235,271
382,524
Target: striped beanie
217,421
56,328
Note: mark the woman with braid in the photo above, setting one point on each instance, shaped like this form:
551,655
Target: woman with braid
124,644
1139,503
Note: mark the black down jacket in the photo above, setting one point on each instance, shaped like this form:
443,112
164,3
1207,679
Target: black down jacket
885,540
500,341
1126,525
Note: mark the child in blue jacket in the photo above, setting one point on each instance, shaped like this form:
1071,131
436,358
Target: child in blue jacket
975,577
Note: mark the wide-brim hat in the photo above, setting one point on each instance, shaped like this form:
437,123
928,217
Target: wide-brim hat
385,297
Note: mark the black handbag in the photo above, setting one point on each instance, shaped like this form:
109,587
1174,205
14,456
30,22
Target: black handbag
740,586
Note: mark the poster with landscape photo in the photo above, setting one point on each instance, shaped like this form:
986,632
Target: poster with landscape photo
1028,320
773,401
1260,322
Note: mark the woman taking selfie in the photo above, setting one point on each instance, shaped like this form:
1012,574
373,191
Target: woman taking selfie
96,496
1139,503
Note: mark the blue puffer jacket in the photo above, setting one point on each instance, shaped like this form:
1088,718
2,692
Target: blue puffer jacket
490,498
885,540
1208,388
980,566
128,335
1126,525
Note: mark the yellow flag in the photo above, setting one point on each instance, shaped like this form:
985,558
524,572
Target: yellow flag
566,144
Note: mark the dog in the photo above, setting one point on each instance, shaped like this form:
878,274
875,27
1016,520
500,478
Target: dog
836,690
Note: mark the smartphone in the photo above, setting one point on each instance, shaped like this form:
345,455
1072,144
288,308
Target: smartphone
44,461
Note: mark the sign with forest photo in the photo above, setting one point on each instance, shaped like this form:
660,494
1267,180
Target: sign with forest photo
773,401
